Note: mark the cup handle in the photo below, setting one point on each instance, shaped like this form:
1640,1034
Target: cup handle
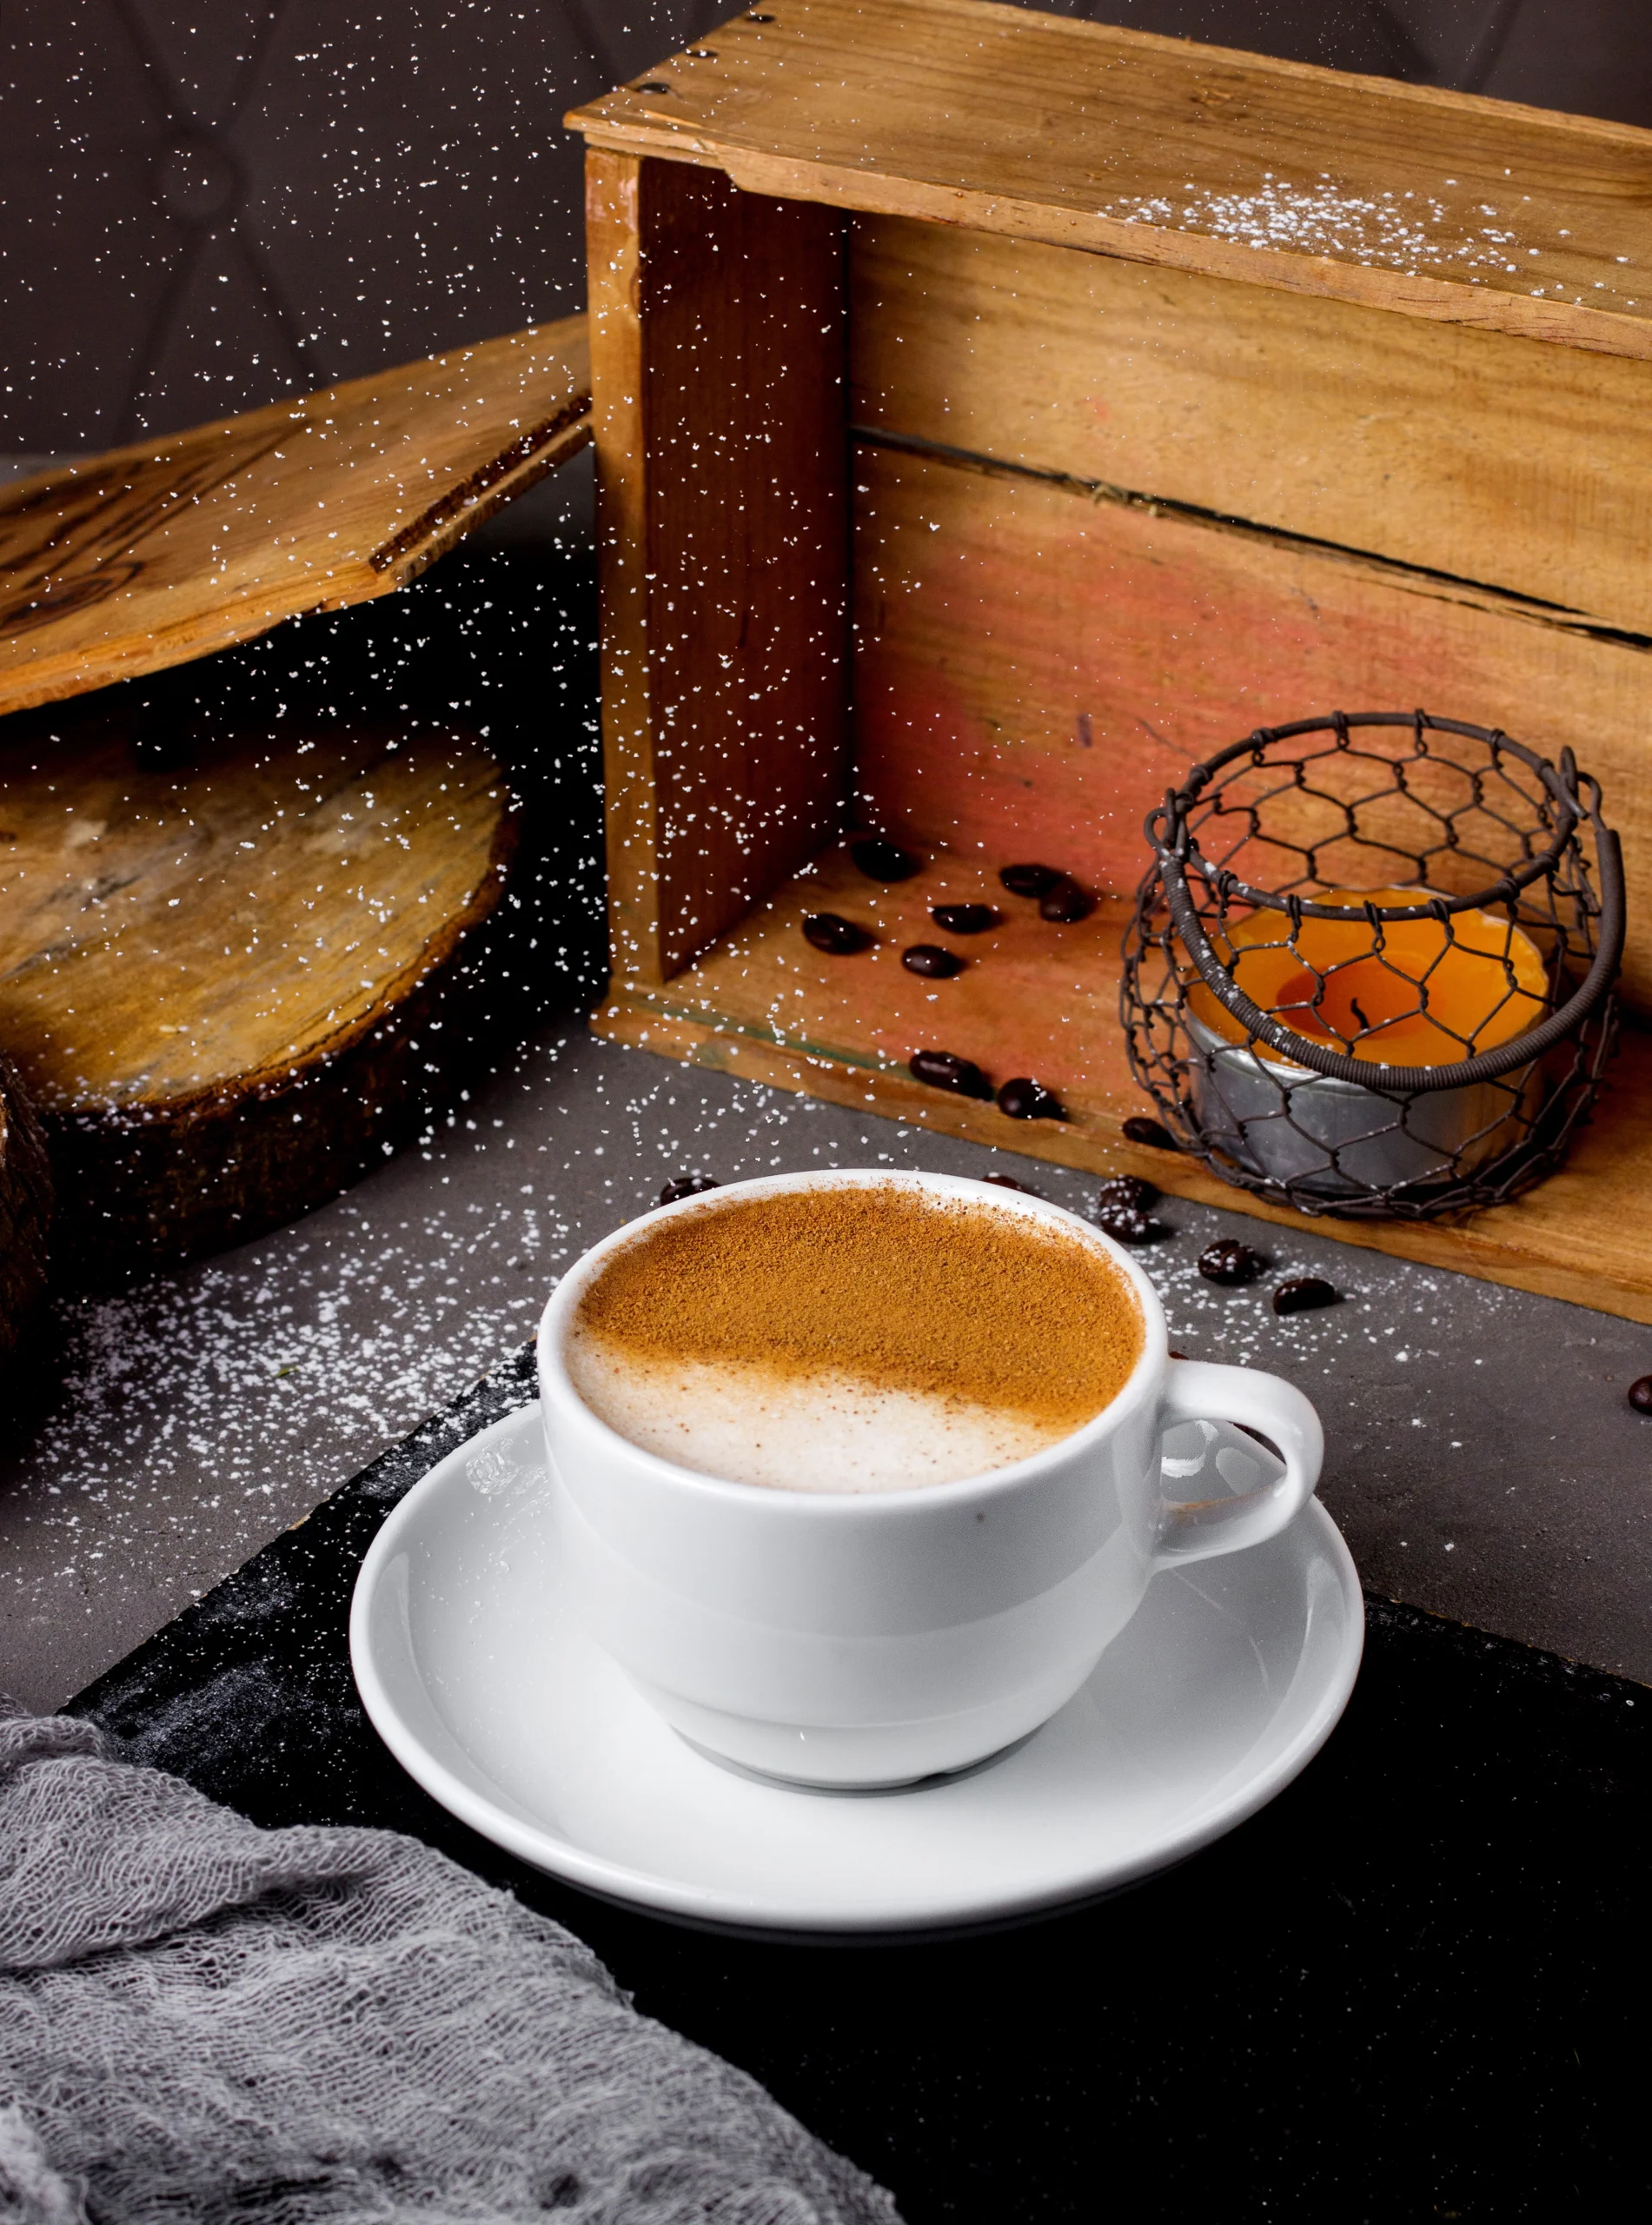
1198,1390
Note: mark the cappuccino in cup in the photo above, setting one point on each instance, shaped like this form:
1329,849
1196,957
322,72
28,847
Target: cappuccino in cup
861,1340
857,1473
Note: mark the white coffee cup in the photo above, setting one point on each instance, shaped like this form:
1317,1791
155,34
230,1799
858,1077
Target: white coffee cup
849,1638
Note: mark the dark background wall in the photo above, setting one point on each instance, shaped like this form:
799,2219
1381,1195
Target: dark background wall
209,202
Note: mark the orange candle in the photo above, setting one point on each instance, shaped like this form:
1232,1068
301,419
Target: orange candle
1412,993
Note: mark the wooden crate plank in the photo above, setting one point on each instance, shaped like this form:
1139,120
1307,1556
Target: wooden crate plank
1035,666
1044,999
1438,204
630,769
717,346
1524,466
154,555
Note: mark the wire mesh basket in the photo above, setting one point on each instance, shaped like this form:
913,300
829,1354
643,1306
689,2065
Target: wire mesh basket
1372,970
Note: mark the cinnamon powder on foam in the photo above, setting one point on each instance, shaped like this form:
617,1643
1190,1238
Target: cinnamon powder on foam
954,1300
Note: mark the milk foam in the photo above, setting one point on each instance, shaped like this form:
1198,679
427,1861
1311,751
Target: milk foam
810,1432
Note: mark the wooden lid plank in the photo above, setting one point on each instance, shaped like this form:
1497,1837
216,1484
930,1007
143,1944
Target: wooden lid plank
154,555
1437,204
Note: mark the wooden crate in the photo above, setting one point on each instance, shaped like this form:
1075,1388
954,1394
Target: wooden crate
997,413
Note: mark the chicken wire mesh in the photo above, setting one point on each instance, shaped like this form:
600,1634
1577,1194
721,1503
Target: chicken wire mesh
1371,971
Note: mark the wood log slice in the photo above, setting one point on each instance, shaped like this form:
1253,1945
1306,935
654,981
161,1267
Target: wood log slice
25,1213
225,981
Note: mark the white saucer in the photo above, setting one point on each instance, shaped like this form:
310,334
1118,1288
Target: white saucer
477,1674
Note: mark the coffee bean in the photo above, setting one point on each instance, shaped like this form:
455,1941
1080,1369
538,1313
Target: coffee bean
1296,1297
1029,881
1641,1395
1009,1182
1066,901
1128,1226
1230,1263
687,1185
1139,1129
1022,1099
1121,1208
881,860
965,919
942,1070
1126,1193
931,961
828,931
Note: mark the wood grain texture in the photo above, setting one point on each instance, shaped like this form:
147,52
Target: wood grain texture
717,359
1035,666
1436,204
1044,1000
1526,468
25,1213
223,981
154,555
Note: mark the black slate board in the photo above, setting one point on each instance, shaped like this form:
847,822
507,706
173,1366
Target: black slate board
1406,1991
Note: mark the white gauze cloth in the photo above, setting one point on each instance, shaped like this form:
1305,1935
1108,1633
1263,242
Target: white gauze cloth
203,2021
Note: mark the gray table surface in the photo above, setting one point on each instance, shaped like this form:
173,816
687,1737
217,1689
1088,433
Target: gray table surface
1483,1460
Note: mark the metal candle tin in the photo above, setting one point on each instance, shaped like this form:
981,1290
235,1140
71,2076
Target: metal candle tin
1332,1138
